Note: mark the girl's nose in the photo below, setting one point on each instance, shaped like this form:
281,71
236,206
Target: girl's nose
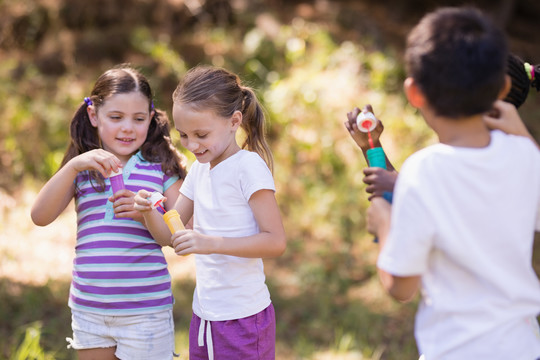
190,145
126,126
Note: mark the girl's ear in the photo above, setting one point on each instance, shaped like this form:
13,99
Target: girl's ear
91,111
414,94
506,87
236,120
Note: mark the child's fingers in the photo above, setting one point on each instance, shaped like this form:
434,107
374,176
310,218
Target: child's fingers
491,123
179,241
353,114
122,193
143,195
141,201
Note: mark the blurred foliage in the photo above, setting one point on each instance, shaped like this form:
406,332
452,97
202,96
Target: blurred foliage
30,348
307,75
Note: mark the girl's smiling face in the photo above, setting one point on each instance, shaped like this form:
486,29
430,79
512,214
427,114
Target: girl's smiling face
122,123
211,138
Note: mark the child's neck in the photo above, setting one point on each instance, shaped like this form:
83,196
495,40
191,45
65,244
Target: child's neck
469,132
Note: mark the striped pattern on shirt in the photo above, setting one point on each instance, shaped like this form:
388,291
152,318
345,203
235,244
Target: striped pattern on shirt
118,269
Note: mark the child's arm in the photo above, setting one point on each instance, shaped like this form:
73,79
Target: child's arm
401,288
153,220
506,118
60,189
269,242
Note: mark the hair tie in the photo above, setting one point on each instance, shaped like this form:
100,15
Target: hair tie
88,101
529,69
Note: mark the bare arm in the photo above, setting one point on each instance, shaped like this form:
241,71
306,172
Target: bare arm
401,288
60,189
505,117
153,220
269,242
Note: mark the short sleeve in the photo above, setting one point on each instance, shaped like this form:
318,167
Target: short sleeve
187,189
255,175
412,229
168,181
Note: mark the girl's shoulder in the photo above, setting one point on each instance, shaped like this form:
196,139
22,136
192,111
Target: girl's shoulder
249,157
250,162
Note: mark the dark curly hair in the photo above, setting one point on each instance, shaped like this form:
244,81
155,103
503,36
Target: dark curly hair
521,82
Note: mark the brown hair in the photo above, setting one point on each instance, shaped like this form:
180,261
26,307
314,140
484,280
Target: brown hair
219,90
156,148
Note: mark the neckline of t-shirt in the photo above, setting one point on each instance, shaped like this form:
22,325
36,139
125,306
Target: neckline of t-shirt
494,134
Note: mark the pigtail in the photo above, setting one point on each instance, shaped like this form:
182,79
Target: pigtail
523,76
158,146
253,125
520,82
83,138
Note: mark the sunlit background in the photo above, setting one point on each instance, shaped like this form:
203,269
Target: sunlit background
310,62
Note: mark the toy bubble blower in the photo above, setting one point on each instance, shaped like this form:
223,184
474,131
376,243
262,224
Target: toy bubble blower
171,217
117,181
367,122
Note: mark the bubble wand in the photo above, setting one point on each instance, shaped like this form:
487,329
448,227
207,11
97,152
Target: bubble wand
367,122
171,217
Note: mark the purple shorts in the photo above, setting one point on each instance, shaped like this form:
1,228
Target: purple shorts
249,338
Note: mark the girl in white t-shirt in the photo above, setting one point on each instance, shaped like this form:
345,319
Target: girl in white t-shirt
229,191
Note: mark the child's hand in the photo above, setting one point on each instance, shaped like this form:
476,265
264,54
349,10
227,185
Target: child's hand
379,181
98,159
123,205
378,217
362,138
504,116
185,242
141,201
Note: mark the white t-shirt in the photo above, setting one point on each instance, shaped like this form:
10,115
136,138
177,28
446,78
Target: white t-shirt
228,287
464,220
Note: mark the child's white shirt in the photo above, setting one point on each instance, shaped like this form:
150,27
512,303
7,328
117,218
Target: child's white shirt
464,220
228,287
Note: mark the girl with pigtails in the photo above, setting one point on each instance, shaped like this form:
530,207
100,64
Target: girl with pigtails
229,191
120,296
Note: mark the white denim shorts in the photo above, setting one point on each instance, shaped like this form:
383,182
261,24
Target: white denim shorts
148,336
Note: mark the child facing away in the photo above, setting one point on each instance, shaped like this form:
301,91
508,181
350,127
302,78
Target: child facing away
465,210
229,191
120,296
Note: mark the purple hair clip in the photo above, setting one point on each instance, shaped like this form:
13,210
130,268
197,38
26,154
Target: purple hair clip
152,105
88,101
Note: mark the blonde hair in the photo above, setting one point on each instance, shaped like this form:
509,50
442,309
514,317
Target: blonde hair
219,90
